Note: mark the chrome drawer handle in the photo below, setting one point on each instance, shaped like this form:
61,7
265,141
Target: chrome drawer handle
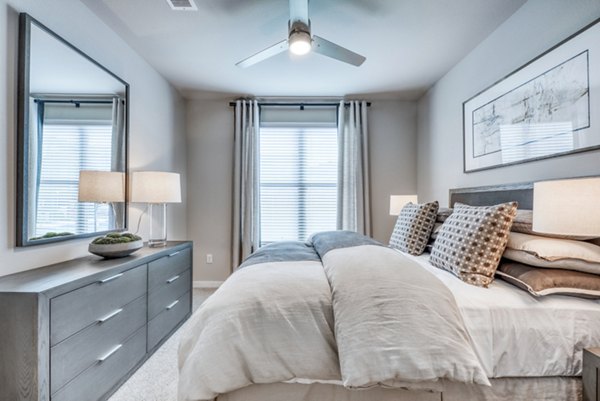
169,281
110,316
110,353
174,253
111,278
170,306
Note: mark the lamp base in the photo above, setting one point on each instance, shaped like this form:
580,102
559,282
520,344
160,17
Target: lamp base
158,224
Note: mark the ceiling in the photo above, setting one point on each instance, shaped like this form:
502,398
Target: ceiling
409,44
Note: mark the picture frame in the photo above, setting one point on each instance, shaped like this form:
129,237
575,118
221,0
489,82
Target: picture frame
548,107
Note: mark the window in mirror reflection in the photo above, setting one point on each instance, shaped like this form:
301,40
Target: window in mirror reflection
69,135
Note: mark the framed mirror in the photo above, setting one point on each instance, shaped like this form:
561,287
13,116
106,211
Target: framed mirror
72,141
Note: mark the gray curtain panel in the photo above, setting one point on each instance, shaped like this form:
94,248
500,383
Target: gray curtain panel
246,226
118,155
354,209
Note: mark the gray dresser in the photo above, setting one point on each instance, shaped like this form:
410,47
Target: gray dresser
75,331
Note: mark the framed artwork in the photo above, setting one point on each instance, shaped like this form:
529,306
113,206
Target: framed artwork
547,108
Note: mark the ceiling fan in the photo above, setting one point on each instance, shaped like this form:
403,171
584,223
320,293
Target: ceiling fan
300,41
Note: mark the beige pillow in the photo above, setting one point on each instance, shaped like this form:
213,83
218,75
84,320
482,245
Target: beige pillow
553,249
523,223
540,282
471,241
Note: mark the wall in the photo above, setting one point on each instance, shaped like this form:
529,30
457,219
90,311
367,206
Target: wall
157,114
535,27
392,129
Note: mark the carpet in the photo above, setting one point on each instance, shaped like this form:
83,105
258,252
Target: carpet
156,379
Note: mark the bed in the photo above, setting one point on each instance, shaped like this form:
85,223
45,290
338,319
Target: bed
309,322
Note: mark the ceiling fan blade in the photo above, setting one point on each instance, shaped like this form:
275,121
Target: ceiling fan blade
337,52
299,11
264,54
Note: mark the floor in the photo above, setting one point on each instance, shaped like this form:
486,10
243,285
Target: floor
156,380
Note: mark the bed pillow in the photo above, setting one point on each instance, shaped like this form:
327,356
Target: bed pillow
443,214
523,223
553,253
539,282
471,241
413,227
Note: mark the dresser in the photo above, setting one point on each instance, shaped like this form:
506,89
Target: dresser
76,330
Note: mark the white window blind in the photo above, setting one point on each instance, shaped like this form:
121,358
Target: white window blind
298,180
68,147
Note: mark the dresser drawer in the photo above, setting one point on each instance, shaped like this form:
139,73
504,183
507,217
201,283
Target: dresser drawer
167,320
166,293
111,366
161,270
80,351
75,310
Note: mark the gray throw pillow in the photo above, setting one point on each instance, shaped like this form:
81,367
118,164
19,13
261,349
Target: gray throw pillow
472,240
413,227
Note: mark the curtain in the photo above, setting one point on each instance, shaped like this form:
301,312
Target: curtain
246,226
118,156
354,210
36,139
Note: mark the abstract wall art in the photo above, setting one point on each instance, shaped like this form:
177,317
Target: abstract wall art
548,107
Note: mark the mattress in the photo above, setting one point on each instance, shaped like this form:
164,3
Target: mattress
518,335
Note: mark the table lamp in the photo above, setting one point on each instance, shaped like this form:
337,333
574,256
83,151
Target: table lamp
567,207
156,188
397,202
102,187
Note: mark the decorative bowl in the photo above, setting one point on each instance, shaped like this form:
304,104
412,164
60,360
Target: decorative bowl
110,251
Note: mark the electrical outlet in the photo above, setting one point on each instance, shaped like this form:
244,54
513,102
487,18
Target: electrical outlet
209,258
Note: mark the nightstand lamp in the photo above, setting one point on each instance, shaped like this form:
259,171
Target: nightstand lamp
567,207
156,188
397,202
103,187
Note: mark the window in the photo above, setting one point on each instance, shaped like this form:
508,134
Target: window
298,180
71,145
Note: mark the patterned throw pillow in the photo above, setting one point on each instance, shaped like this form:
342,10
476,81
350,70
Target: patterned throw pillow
472,240
413,227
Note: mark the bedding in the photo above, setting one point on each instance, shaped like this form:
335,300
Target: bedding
303,323
517,335
279,321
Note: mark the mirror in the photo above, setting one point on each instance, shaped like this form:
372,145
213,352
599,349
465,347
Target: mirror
72,141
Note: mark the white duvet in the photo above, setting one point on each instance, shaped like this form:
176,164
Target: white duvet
392,322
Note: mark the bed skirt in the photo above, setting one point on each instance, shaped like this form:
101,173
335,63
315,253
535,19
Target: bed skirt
509,389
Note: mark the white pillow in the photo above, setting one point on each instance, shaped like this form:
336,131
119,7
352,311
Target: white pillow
553,253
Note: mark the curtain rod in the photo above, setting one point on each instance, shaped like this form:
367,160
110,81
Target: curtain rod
299,104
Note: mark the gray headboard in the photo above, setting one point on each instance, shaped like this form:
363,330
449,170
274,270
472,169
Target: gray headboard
492,195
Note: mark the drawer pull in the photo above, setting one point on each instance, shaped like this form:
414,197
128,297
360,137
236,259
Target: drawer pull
174,253
170,306
110,316
110,353
169,281
111,278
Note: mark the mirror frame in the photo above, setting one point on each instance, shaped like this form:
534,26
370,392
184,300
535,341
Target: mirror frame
24,47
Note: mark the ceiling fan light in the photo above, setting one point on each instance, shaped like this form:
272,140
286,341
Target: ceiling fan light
300,42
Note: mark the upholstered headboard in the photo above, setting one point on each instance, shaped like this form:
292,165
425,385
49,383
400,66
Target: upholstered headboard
491,195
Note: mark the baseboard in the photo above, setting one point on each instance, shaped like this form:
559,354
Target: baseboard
207,284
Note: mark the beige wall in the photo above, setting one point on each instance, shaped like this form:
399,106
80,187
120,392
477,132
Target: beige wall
534,28
157,117
210,159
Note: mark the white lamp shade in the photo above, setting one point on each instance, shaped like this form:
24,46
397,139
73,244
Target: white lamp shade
155,187
101,186
567,207
397,202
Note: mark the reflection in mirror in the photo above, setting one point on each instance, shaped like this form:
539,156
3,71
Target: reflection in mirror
75,125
